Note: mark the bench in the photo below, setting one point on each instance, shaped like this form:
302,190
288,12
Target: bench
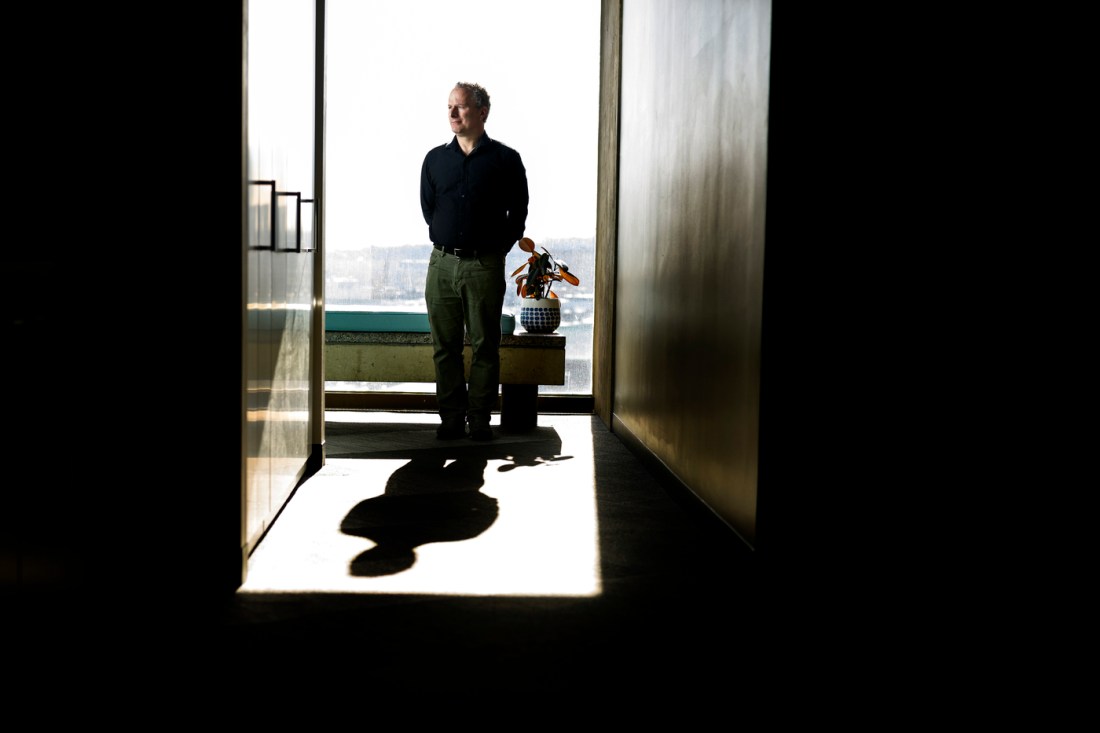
384,346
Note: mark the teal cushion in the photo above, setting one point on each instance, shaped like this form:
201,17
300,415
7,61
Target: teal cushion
393,321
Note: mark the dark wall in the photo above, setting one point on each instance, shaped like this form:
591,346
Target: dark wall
730,327
691,243
126,318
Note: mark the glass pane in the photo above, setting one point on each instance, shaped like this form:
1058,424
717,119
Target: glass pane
386,107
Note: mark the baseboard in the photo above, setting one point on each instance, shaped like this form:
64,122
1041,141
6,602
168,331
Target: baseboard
680,492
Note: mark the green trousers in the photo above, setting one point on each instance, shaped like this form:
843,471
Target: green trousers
465,296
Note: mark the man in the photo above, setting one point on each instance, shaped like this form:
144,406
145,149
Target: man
473,192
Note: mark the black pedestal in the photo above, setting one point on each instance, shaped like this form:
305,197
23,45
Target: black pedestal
519,406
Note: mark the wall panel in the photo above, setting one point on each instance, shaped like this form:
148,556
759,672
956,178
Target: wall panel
690,244
280,278
607,202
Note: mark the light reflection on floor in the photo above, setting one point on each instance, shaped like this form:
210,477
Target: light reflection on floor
543,542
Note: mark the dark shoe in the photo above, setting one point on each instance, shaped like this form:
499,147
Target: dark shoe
450,431
482,432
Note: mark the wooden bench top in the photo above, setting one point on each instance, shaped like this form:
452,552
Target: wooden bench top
415,338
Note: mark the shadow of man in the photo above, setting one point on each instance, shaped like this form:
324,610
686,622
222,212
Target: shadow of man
426,500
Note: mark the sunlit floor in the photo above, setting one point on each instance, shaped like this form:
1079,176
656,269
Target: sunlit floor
551,557
394,510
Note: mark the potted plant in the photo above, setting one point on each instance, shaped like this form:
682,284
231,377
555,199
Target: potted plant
540,308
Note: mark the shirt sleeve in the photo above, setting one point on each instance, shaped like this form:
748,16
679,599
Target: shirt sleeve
517,206
427,191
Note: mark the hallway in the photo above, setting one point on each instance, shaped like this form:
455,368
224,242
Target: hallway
551,555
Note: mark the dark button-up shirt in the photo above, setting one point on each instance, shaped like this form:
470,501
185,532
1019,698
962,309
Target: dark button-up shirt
477,201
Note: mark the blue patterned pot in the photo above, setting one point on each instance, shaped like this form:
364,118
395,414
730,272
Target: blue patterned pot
541,315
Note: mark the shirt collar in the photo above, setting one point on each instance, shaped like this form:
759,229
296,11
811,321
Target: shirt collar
453,144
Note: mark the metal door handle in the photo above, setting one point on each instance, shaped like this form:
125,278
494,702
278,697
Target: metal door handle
274,209
312,228
298,223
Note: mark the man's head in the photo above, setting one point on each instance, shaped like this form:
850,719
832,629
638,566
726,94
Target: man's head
467,109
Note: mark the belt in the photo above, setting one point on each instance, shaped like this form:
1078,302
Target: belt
460,252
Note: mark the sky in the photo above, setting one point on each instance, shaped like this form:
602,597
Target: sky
391,66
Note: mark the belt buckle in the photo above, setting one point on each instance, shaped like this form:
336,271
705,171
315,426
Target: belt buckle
459,253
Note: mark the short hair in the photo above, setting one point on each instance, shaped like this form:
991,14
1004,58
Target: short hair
481,97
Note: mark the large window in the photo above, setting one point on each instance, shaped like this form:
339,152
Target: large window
390,67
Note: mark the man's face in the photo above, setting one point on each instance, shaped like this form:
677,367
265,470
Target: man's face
466,119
